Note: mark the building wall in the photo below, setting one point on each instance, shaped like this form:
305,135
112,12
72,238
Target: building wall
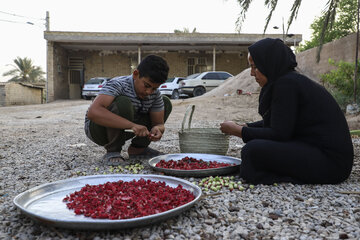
177,63
113,63
342,49
57,72
17,94
50,72
61,73
98,64
2,94
233,63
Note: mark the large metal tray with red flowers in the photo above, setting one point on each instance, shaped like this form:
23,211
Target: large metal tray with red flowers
45,203
223,164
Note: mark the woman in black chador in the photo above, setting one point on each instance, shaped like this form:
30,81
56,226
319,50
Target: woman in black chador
303,136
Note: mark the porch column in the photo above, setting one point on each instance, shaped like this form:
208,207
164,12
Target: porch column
139,54
214,58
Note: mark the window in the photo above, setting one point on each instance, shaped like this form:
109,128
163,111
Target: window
202,61
191,66
179,79
211,76
224,75
193,76
196,65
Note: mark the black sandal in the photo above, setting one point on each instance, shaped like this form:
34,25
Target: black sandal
109,157
146,154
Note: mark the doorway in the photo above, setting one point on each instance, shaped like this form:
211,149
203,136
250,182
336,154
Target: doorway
76,77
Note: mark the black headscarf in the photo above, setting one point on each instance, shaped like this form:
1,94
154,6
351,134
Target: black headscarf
273,59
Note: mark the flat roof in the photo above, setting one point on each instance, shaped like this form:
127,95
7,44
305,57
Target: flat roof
160,41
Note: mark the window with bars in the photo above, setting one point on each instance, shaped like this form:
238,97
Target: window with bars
202,61
191,66
196,65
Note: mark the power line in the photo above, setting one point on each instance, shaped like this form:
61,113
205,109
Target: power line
3,20
16,15
29,23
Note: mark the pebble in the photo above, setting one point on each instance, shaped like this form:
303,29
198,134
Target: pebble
30,158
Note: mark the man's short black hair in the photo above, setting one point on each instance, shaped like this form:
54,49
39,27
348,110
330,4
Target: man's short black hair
155,68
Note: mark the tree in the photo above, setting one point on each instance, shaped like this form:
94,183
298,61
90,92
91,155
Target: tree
25,71
328,22
344,24
340,83
185,30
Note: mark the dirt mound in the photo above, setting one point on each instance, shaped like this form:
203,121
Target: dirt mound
223,102
242,81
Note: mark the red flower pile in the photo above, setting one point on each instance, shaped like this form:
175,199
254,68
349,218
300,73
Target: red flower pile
189,163
124,200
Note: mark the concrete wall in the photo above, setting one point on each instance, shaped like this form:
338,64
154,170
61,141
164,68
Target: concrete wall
111,64
57,72
61,73
2,94
342,49
98,65
50,71
17,94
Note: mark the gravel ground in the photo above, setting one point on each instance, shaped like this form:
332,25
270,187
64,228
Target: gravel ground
45,143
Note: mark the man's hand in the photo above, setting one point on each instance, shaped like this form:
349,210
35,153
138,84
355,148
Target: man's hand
140,130
155,134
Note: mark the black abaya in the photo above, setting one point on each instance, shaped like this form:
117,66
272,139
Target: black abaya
304,136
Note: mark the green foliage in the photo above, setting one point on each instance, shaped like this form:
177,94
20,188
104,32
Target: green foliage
25,71
185,30
330,15
344,24
340,82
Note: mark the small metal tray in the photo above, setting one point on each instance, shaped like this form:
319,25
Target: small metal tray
200,172
45,202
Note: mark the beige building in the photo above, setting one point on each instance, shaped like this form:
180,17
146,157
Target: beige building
20,94
74,57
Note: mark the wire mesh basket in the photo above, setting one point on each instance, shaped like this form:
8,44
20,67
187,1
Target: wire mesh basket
201,140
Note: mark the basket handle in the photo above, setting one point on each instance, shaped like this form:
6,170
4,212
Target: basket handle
192,108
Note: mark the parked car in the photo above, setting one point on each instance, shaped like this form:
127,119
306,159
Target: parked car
171,87
93,86
199,83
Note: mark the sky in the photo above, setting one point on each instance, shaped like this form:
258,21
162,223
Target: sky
21,39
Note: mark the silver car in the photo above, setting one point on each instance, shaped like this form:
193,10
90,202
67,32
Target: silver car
199,83
170,88
93,86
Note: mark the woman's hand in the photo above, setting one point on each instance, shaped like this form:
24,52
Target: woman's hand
231,128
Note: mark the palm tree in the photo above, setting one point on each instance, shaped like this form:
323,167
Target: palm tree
329,20
186,30
25,71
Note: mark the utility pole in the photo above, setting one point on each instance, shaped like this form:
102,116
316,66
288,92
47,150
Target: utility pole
283,29
357,51
47,21
47,28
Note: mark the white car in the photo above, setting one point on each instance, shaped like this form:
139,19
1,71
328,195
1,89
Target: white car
171,87
199,83
93,86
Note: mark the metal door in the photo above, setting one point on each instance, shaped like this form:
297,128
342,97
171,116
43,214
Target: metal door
75,84
76,77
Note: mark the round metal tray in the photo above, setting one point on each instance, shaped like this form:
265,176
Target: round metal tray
200,172
45,202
